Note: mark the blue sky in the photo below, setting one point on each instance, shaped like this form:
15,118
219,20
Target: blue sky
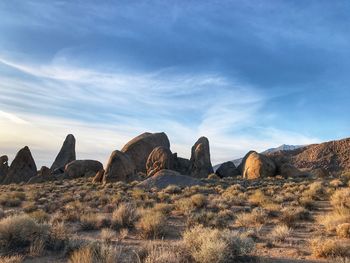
246,74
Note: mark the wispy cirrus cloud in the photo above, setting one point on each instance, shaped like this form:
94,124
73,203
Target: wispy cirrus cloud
105,110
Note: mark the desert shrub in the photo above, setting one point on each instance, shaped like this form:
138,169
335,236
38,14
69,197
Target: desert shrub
95,253
164,254
258,198
207,219
163,208
280,232
315,191
291,215
107,235
12,259
257,217
20,231
213,176
199,200
11,199
151,224
207,245
329,248
59,236
88,222
343,230
340,201
30,207
124,216
332,220
40,216
172,189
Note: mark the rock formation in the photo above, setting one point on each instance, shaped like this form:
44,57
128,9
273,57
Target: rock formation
181,165
200,164
141,146
22,168
164,178
4,167
43,175
120,167
257,166
227,169
160,158
333,156
99,176
82,168
65,156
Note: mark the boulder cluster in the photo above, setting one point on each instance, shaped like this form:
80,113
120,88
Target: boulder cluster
146,158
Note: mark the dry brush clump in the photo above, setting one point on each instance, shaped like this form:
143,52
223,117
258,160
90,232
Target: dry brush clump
206,245
152,224
124,216
329,248
95,253
280,232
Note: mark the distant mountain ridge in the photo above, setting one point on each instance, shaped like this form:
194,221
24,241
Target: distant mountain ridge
283,147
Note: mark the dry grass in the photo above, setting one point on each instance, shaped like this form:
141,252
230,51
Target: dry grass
329,248
280,232
207,245
21,231
340,201
107,235
165,254
95,253
256,218
343,230
12,259
124,216
151,224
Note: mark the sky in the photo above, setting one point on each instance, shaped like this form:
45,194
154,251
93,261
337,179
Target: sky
249,75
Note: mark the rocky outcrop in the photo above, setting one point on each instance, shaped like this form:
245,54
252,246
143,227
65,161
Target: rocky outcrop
227,169
82,168
43,175
159,159
181,165
258,166
164,178
333,156
120,167
99,176
4,167
65,156
200,164
141,146
22,168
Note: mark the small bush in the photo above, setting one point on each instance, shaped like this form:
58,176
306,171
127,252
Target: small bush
257,217
12,259
329,248
151,224
343,230
124,216
280,233
95,253
207,245
21,231
291,215
198,200
165,254
88,222
340,201
107,235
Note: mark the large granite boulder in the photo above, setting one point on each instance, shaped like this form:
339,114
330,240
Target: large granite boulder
65,156
258,166
181,165
200,164
164,178
43,175
227,169
82,168
159,159
4,167
22,168
141,146
120,167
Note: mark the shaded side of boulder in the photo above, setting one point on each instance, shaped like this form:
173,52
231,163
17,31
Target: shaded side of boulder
164,178
82,168
141,146
227,169
120,167
288,170
4,167
99,176
258,166
181,165
200,164
320,173
159,159
43,175
65,155
22,168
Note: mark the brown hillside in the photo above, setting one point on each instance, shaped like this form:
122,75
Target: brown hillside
334,156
